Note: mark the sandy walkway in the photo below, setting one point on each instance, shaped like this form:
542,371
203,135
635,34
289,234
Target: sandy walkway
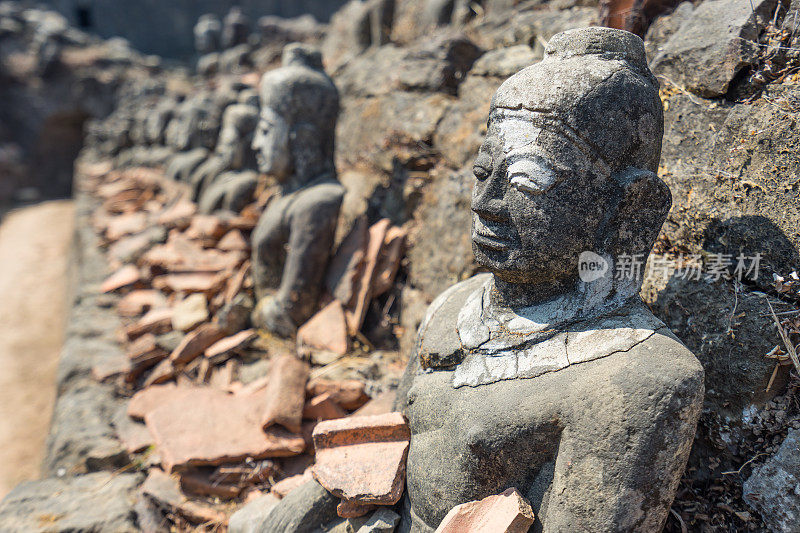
34,245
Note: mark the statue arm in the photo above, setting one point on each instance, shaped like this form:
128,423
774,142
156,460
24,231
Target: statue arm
619,472
312,226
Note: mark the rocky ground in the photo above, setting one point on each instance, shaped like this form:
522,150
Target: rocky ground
161,289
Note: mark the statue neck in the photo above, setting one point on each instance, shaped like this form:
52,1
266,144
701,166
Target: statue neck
504,294
307,176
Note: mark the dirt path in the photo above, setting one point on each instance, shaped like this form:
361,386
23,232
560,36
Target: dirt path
34,245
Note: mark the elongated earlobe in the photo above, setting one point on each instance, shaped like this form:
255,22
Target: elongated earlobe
642,203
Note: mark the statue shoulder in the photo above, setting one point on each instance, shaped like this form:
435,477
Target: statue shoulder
438,343
662,360
320,196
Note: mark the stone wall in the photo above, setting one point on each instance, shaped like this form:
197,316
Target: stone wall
165,28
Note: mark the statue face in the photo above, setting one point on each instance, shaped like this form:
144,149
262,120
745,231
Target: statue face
538,201
271,144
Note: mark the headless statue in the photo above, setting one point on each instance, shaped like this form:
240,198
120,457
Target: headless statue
549,374
294,144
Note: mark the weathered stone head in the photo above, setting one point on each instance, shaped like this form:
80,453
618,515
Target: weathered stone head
207,34
236,28
236,136
568,164
294,140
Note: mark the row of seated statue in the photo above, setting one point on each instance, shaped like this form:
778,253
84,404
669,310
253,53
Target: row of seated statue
532,375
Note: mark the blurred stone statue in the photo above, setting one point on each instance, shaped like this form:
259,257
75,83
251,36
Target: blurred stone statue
549,374
235,29
227,179
294,144
207,34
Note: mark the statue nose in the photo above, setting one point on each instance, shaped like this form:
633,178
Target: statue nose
488,198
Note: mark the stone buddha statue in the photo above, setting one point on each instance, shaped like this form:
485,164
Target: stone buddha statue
233,157
549,374
294,143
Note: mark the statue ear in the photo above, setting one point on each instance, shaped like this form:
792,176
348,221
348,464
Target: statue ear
643,201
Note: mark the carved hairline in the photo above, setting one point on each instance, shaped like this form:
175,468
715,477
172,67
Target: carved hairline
546,119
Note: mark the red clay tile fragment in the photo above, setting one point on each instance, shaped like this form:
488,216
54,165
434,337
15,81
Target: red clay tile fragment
323,407
124,277
229,344
203,426
348,509
198,483
206,227
126,224
363,459
508,512
163,372
285,393
195,343
388,261
137,302
148,399
165,490
348,393
287,485
326,330
155,321
178,214
381,404
357,308
193,282
233,241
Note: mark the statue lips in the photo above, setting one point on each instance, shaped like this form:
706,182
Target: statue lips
490,234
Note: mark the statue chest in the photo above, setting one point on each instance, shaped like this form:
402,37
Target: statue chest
468,443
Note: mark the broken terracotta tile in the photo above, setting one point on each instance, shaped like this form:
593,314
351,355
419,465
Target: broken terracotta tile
287,485
163,372
229,344
189,312
326,330
148,399
111,367
243,475
195,343
348,393
508,512
348,509
222,376
323,407
388,261
193,282
144,353
178,214
285,393
363,459
155,321
124,277
381,404
206,228
357,308
203,426
347,263
200,484
233,241
134,435
137,302
237,281
126,224
165,491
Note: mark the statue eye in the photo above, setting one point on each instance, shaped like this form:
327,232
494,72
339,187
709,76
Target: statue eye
531,177
482,167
